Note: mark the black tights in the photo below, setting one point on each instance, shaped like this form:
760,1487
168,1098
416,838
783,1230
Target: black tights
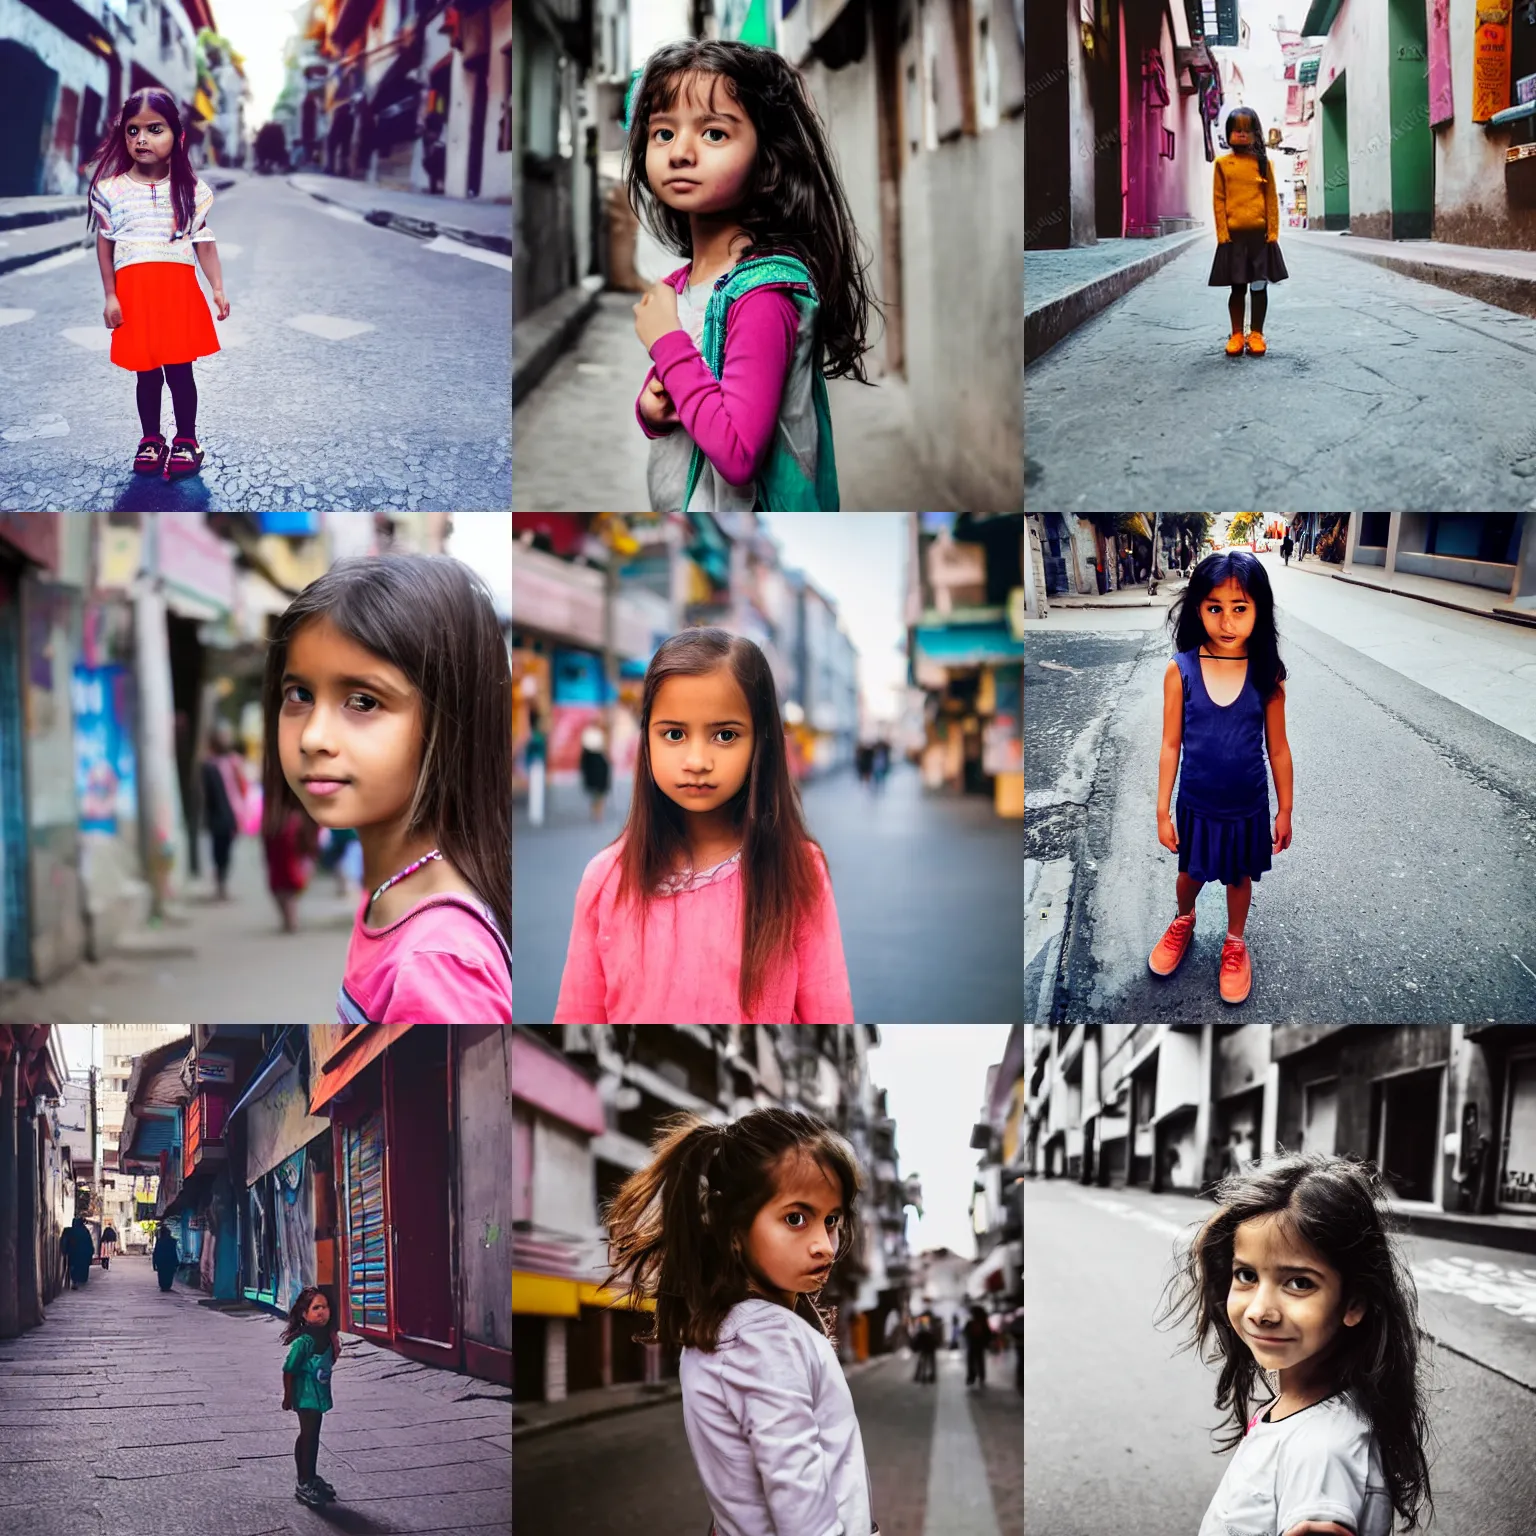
183,399
1259,300
306,1449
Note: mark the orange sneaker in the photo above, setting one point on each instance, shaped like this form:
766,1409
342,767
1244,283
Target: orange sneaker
1236,975
1173,946
1235,344
1256,344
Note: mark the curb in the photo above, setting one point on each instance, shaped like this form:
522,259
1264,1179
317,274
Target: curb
31,258
1504,290
66,208
1045,326
548,331
408,224
1502,614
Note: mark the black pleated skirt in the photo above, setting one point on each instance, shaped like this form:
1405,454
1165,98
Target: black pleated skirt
1227,850
1246,258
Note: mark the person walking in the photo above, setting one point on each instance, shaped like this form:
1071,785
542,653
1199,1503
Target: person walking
595,769
926,1342
225,788
978,1339
882,763
535,754
290,855
108,1244
78,1249
166,1257
864,761
1286,547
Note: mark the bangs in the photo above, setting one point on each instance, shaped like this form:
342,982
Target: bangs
682,84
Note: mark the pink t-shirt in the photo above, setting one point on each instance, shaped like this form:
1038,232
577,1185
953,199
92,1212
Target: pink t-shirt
443,962
692,958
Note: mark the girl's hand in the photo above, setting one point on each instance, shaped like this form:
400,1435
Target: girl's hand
222,303
656,314
287,1403
1167,833
1282,831
656,408
113,313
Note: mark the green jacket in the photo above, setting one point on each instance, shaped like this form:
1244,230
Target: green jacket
785,483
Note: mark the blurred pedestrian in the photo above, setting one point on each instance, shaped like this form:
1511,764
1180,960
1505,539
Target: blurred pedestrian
594,768
882,763
108,1244
1285,549
1017,1329
224,795
335,842
978,1340
78,1249
535,754
434,155
166,1257
926,1342
290,852
864,761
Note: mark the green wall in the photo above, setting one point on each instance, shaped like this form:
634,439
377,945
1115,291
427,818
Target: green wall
1413,148
1335,107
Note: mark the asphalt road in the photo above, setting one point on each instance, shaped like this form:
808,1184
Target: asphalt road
927,887
1406,895
1118,1422
361,369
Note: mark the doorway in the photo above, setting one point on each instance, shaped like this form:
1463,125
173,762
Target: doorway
1405,1132
479,103
26,110
1107,92
1335,104
1320,1116
1047,128
889,169
15,918
1413,148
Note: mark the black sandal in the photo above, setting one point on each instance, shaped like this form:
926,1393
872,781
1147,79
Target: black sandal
150,459
186,457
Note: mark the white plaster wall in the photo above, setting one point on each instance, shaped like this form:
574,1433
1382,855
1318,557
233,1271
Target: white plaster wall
1469,158
1080,115
1357,44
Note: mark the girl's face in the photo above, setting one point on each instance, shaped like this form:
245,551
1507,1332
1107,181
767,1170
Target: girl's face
318,1313
701,733
699,153
794,1238
352,723
1241,135
1286,1300
149,137
1228,614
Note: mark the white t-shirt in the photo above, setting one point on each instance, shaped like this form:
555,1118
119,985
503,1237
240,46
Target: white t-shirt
1319,1464
771,1425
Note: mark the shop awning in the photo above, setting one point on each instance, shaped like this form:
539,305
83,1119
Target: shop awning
558,1296
278,1060
350,1057
968,645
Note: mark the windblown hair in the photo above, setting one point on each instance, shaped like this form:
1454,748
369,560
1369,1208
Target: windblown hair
677,1228
793,201
432,617
779,878
296,1323
1240,117
111,157
1189,633
1338,1205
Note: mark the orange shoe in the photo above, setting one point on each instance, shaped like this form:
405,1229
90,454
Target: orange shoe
1173,946
1235,344
1236,975
1256,344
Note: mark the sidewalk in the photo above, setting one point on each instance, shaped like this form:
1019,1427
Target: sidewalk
1483,601
1168,590
465,219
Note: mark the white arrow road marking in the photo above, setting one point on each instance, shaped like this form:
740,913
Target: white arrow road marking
41,426
93,338
15,316
472,252
329,326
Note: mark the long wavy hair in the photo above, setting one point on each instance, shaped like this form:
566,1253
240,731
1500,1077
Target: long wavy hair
433,618
297,1325
111,157
1338,1205
1264,664
793,201
779,877
677,1228
1235,119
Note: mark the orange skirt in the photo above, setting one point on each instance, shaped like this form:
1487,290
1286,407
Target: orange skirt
165,317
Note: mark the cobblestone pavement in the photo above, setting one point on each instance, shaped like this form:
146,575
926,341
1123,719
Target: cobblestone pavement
360,369
130,1410
578,447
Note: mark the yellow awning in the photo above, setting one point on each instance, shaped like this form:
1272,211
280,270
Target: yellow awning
552,1296
201,104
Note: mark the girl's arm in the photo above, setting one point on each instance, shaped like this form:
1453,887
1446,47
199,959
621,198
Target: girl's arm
104,249
645,426
208,254
1219,192
1173,737
288,1380
822,993
732,418
1271,207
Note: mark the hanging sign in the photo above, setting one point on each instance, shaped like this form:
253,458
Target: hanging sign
1490,60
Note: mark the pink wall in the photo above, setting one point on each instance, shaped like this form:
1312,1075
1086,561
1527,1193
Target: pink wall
552,1085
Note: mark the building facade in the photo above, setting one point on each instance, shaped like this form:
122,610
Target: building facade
1492,550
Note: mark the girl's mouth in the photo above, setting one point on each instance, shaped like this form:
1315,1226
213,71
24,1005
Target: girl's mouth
325,787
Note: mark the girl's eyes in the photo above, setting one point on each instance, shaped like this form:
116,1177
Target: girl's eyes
723,731
832,1220
1243,1269
298,688
721,131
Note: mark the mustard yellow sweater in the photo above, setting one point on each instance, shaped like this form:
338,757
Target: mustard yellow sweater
1243,202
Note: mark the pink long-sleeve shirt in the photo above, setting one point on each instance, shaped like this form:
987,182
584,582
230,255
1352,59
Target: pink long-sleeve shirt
692,959
730,418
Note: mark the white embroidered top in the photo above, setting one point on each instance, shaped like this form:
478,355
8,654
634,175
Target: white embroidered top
139,220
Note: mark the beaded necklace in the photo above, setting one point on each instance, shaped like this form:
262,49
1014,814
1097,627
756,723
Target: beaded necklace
410,869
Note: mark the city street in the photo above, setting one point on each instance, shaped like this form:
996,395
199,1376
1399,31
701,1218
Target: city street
1378,391
579,448
131,1410
927,887
1405,896
1119,1424
943,1461
361,368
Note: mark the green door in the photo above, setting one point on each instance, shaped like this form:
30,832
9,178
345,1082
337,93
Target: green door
1413,147
1336,156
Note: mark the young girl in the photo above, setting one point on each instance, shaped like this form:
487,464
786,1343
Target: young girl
1297,1277
1223,702
733,1230
307,1385
1247,228
729,166
713,905
388,708
151,212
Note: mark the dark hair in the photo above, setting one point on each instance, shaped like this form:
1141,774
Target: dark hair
793,200
1257,131
1339,1206
432,617
111,156
779,879
297,1322
1265,666
676,1226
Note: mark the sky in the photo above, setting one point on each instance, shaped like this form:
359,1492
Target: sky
483,541
935,1077
858,559
258,31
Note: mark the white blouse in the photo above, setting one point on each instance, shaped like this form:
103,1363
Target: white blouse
139,221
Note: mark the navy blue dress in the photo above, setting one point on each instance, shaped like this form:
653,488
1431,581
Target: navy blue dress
1222,814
